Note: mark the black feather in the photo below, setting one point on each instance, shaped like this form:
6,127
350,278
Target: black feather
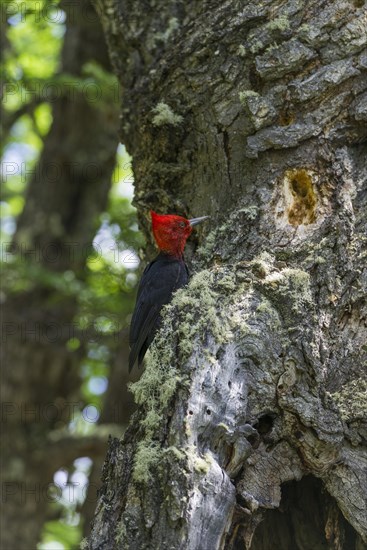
161,278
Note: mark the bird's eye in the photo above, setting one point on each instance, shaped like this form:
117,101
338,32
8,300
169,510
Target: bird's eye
182,224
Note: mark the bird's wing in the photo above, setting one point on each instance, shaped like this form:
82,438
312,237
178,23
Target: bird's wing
146,324
145,300
160,279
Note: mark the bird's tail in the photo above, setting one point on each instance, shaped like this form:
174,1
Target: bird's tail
133,356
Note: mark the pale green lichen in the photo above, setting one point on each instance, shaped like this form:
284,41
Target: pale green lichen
250,212
188,431
154,391
262,264
237,315
256,46
84,545
265,307
272,47
180,455
201,298
244,95
148,455
197,463
197,304
351,400
280,23
201,465
206,249
224,426
228,282
156,387
160,376
293,284
163,114
241,50
173,24
121,533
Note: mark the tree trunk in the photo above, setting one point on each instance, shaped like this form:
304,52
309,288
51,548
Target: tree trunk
40,376
251,426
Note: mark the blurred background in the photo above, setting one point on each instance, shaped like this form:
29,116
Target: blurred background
70,264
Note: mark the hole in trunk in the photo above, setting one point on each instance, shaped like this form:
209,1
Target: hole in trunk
308,519
264,424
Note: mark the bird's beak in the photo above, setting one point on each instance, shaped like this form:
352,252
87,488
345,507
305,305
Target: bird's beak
195,221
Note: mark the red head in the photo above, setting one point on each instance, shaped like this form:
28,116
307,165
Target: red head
171,232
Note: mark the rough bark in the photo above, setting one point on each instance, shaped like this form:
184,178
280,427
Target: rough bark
40,377
253,400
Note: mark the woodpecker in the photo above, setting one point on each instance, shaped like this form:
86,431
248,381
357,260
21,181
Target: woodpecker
161,278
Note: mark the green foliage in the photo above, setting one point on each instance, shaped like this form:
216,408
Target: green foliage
35,40
59,531
104,292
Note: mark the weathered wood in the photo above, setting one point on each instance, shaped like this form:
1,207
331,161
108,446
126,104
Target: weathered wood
256,115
